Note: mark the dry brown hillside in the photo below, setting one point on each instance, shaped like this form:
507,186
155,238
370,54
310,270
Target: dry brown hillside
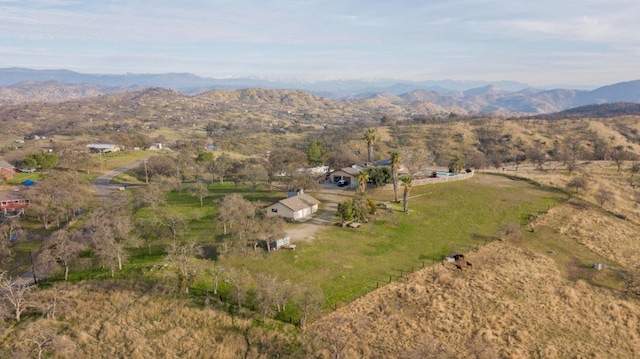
534,296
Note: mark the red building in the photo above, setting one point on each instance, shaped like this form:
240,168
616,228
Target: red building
6,170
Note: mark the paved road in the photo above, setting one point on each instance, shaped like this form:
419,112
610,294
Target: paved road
103,186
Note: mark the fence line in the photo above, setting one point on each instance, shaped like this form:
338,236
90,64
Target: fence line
432,180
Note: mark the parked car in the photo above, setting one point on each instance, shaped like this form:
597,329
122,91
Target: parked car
27,170
342,183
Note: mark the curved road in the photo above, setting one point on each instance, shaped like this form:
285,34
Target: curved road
102,185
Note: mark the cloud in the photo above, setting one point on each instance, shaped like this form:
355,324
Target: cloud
409,38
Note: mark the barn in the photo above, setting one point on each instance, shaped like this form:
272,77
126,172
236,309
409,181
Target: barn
294,208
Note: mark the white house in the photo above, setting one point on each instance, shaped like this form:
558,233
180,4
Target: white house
347,174
294,208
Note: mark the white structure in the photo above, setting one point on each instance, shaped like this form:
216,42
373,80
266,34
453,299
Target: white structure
103,147
347,174
284,242
294,208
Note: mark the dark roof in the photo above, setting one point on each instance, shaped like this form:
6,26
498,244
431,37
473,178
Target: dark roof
10,195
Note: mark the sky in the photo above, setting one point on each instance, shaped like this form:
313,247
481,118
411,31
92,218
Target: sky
540,43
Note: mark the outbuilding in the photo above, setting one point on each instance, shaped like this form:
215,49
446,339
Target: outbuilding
294,208
103,147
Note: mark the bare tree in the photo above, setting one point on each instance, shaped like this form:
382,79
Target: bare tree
41,340
577,185
603,196
619,155
254,172
11,230
569,154
284,162
218,273
152,195
174,223
200,190
536,154
182,256
284,291
60,248
304,181
232,208
337,335
510,230
342,157
110,229
269,229
309,300
240,285
414,159
221,166
265,295
15,293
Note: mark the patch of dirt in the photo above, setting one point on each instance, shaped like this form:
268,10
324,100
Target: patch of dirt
330,195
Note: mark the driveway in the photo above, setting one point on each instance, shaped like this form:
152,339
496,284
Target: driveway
330,195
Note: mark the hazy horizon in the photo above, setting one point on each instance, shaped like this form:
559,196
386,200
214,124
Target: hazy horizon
543,44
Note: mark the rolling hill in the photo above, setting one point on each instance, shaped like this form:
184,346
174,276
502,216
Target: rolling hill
475,98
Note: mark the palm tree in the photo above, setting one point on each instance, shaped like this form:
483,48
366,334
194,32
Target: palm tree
363,178
456,164
406,183
370,136
396,162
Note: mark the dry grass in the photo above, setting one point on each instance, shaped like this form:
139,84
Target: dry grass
120,320
512,303
533,297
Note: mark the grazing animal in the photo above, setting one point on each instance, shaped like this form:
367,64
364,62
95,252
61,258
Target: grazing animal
458,267
469,264
458,257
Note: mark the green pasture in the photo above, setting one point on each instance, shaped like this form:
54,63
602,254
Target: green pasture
443,219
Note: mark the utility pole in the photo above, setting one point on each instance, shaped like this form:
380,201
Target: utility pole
33,269
146,172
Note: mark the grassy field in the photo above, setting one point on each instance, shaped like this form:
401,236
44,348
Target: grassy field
444,219
347,263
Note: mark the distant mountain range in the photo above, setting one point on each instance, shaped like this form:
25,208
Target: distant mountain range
19,85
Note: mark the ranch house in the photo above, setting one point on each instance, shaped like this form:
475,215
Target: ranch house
347,174
294,208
